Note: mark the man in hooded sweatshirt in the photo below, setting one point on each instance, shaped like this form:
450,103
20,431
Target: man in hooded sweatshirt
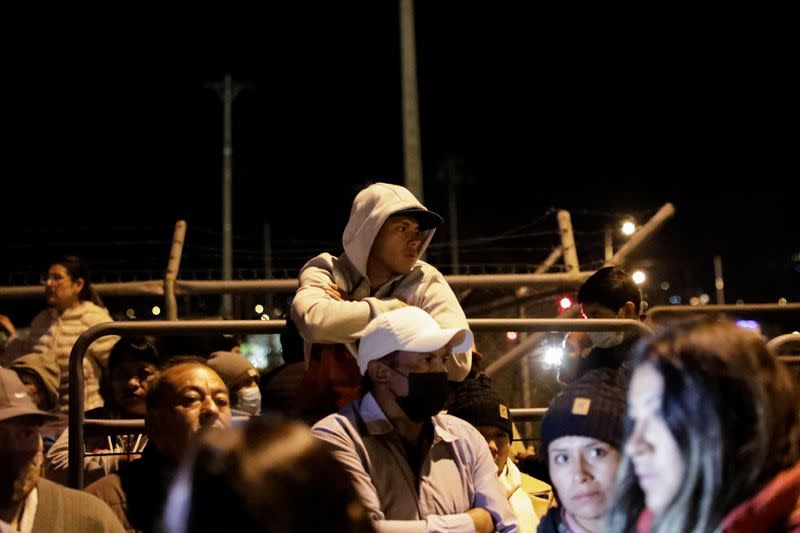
380,270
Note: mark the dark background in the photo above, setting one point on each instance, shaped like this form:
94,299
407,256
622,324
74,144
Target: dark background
605,111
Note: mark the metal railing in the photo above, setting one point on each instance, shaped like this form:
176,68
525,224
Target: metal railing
157,328
78,423
659,310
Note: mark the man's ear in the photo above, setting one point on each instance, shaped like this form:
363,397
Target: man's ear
628,311
378,372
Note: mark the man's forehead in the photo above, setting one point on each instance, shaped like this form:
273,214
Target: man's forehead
192,375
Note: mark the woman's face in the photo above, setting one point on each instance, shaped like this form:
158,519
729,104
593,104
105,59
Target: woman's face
582,470
657,460
60,289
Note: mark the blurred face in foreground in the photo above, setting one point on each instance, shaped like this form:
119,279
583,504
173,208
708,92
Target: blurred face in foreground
656,457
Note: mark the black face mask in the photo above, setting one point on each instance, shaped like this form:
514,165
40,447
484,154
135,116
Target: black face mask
427,394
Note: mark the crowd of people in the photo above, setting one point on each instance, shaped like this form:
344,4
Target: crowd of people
386,422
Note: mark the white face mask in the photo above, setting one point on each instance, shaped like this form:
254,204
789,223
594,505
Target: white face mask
249,400
606,339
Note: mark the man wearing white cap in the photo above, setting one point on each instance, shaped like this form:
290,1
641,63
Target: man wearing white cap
415,469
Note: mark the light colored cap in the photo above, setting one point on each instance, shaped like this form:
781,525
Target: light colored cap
409,329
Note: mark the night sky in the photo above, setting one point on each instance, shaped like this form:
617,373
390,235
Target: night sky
605,111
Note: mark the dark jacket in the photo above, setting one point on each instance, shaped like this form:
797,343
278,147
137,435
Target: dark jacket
552,522
138,492
613,357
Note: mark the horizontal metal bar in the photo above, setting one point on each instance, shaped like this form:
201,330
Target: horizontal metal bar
716,308
156,287
76,377
558,324
527,413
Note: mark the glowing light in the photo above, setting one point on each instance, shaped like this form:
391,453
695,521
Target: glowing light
748,324
664,286
259,309
628,228
694,300
638,277
705,298
265,317
130,313
553,356
156,310
512,335
782,301
674,299
565,303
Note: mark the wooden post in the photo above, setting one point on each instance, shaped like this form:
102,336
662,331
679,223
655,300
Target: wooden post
173,267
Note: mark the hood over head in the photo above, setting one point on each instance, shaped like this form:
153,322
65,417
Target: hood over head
371,207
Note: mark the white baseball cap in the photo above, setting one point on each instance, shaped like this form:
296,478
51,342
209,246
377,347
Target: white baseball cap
408,329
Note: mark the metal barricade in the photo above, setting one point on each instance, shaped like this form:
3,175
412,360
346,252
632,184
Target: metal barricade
156,328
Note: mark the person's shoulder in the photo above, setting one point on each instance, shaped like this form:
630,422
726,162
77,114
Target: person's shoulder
108,488
457,426
79,502
427,271
324,260
91,314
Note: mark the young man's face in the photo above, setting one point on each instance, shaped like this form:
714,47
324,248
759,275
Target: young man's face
406,363
396,247
499,444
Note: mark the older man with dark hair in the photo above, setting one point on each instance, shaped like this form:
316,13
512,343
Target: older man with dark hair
186,398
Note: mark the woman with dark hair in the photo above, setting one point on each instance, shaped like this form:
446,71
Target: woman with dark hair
266,476
74,307
713,437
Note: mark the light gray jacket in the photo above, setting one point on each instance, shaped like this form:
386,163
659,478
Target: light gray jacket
321,319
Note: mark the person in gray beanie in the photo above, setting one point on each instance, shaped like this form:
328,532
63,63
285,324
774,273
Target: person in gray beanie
241,378
582,434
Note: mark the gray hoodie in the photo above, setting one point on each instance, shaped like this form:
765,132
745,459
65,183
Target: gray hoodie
321,319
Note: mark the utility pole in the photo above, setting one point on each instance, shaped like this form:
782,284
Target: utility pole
268,266
719,283
453,180
568,242
411,136
608,244
227,91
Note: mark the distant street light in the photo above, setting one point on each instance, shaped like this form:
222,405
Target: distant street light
628,228
639,277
